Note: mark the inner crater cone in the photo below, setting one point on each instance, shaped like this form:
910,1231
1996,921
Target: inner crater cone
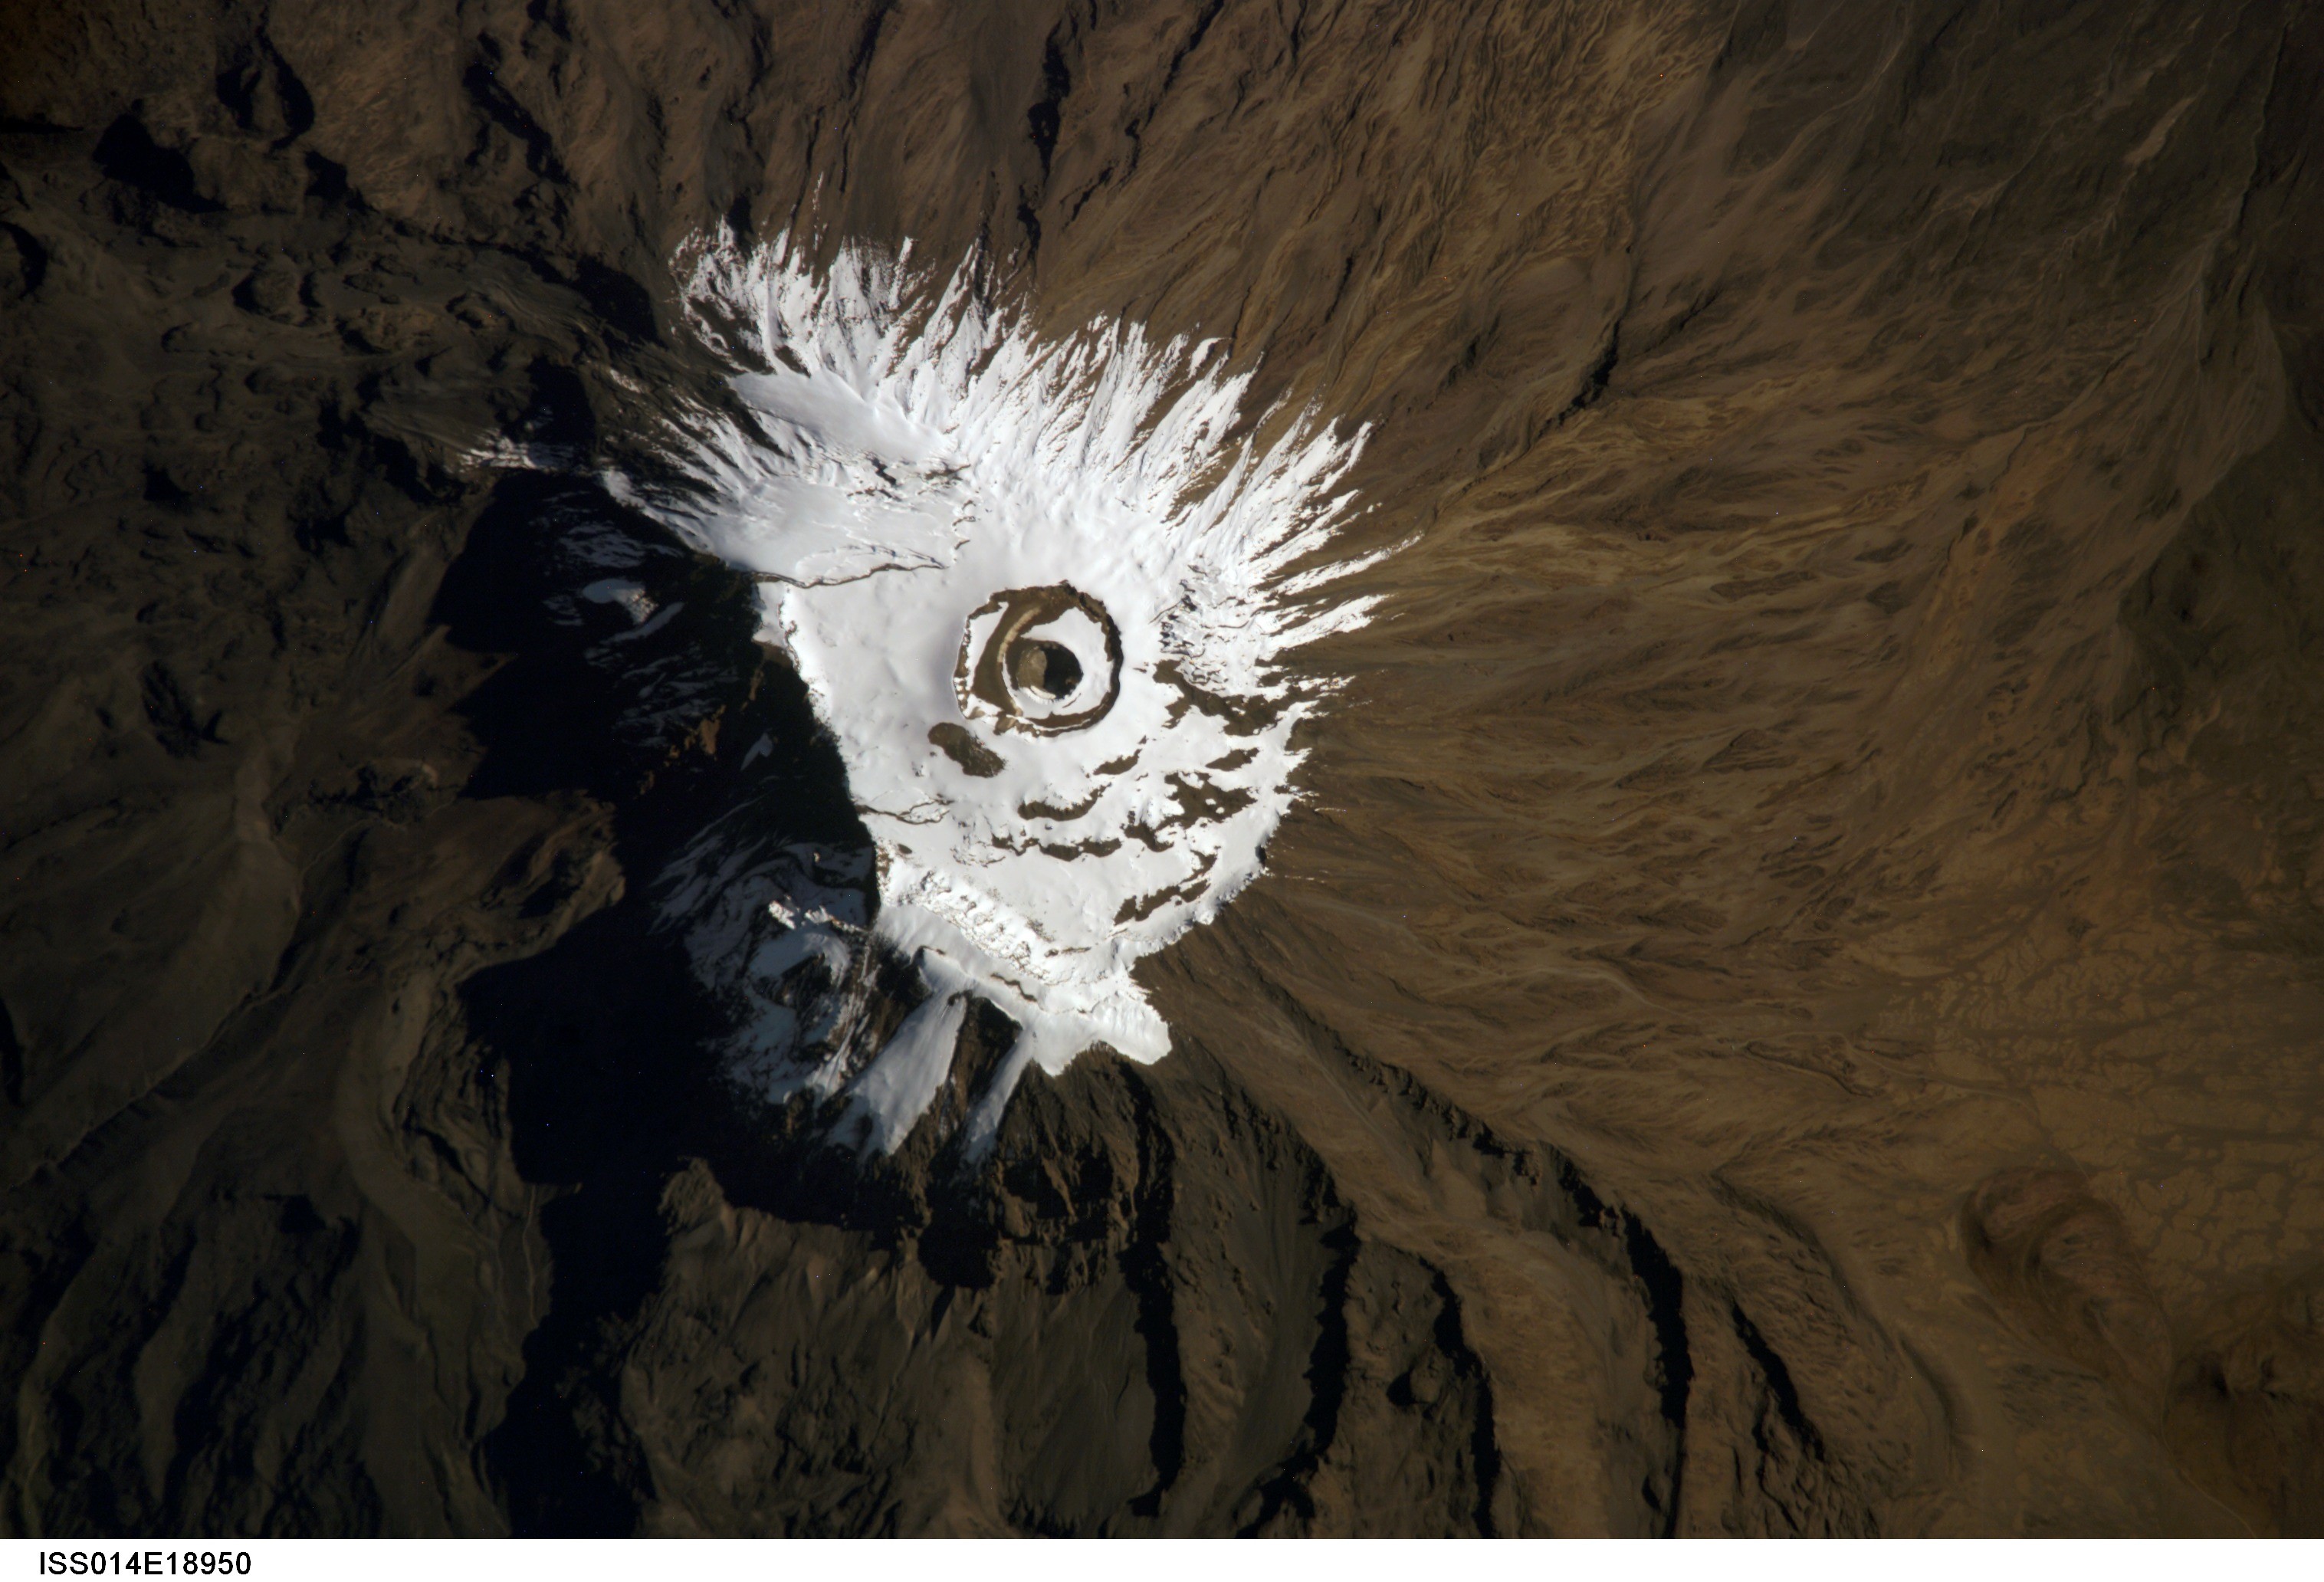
1032,657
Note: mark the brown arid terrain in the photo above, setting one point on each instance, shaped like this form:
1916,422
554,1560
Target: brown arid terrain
1794,1003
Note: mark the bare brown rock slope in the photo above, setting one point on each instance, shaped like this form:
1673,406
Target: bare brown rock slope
1794,1006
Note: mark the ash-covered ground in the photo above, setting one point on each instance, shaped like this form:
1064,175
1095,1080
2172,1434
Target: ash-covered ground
1788,1000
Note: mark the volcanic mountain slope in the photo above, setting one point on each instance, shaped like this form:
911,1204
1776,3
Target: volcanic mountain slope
1793,1004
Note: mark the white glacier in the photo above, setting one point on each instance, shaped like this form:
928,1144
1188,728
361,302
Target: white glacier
1040,592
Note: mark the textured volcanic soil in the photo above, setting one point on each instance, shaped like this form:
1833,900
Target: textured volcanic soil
1794,1006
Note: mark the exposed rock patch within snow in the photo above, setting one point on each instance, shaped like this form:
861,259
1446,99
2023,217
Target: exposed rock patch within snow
1041,592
